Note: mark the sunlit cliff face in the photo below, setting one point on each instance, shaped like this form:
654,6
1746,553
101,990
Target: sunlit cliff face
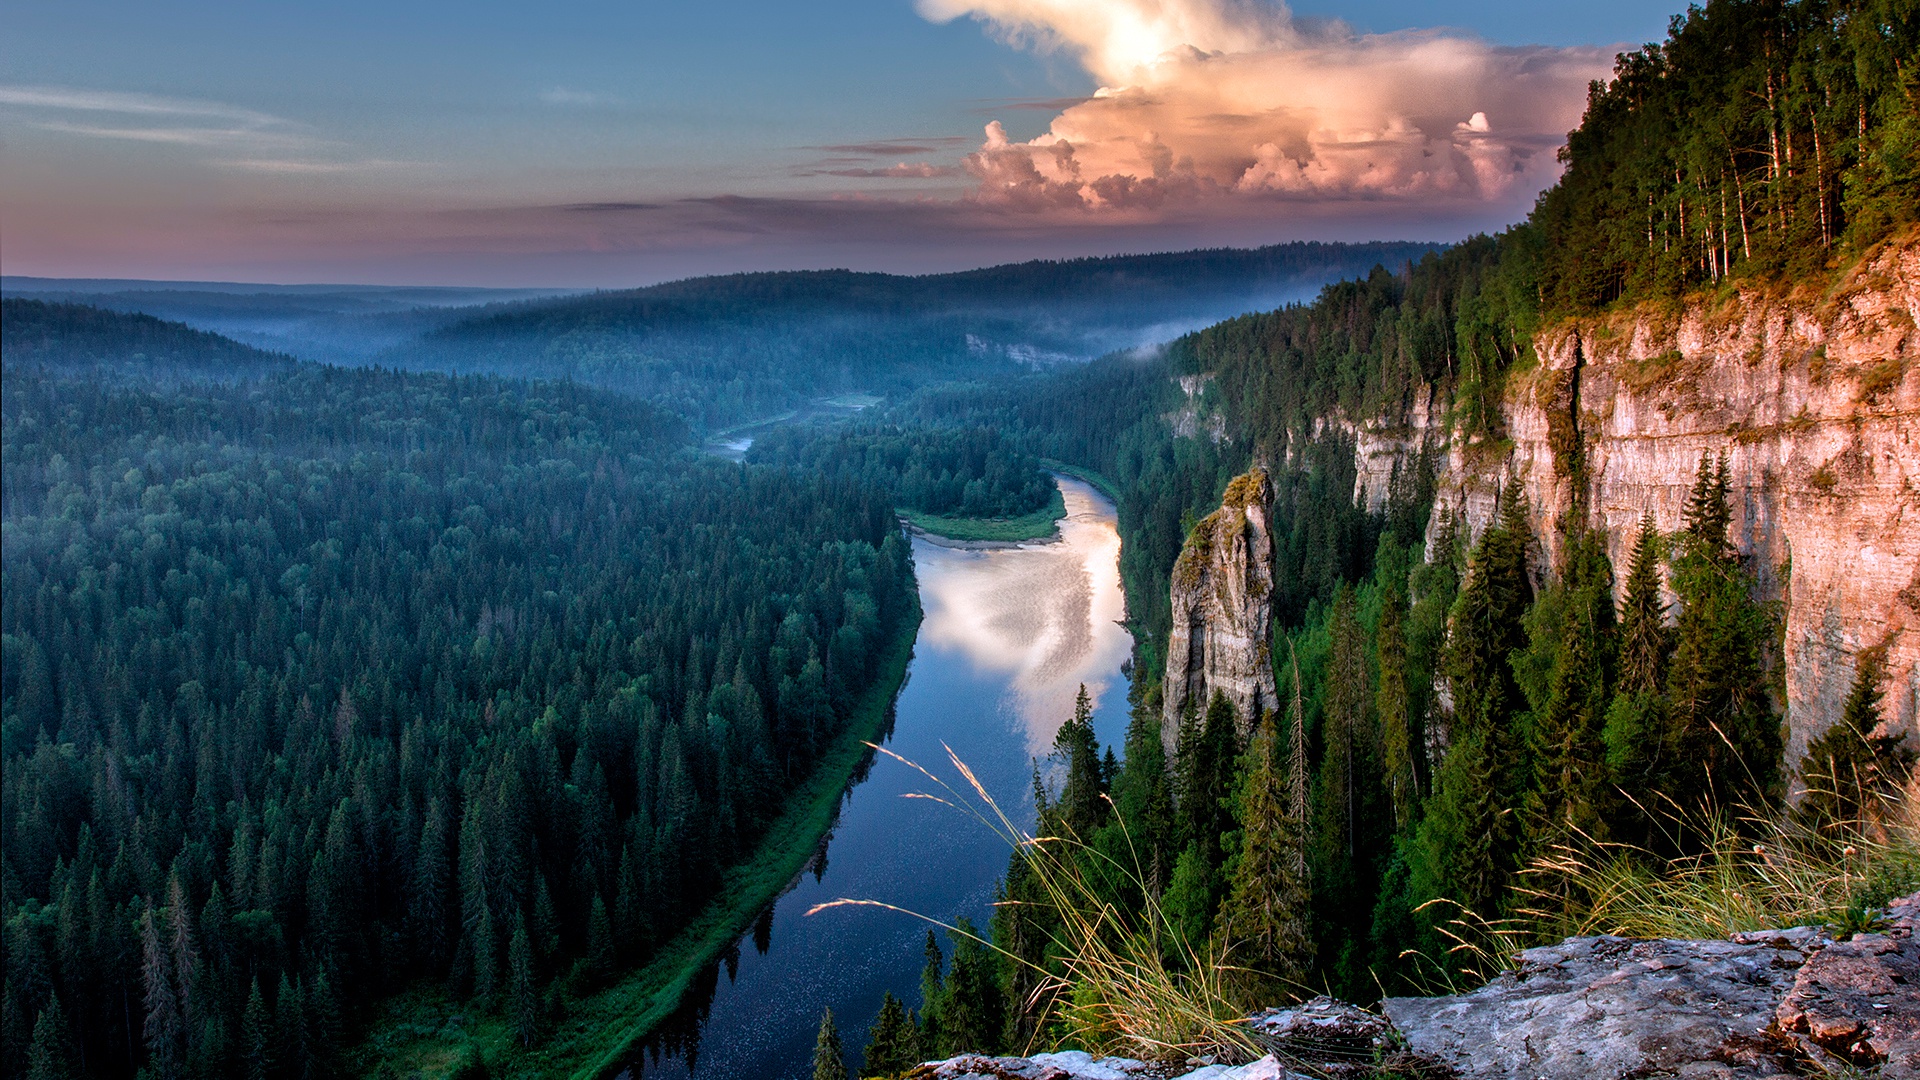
1047,616
1206,100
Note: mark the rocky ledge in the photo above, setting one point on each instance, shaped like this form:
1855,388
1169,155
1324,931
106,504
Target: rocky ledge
1773,1003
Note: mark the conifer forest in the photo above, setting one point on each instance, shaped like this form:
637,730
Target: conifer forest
469,678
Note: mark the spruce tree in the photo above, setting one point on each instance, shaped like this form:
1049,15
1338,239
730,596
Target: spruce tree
890,1041
1469,841
523,996
1082,807
256,1037
165,1027
1400,739
1849,770
932,997
48,1058
1729,740
829,1060
1264,920
1142,795
1569,751
600,954
973,1006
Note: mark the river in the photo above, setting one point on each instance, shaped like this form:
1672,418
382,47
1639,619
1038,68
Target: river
1009,636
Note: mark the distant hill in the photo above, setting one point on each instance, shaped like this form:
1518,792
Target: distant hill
74,337
338,324
722,349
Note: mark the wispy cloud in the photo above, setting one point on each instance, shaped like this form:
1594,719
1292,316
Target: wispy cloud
237,138
903,170
897,147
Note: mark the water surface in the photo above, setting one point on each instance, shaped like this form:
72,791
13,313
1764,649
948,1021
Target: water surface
1008,638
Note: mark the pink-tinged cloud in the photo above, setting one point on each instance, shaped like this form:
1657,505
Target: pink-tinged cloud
1209,100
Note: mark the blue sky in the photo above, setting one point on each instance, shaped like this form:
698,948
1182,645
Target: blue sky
608,144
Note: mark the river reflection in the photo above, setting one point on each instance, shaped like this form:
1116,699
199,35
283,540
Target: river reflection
1008,637
1047,617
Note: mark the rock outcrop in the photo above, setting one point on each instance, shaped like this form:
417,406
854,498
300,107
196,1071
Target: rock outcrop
1774,1003
1815,400
1223,607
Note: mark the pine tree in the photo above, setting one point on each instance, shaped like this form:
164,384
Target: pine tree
1264,921
523,996
829,1060
890,1041
1205,769
485,946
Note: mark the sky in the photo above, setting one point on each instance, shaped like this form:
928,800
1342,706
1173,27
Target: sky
600,144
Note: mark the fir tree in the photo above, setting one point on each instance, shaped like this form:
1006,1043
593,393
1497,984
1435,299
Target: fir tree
973,1014
1264,920
523,996
932,997
829,1060
1082,806
600,954
1141,793
1849,770
1400,739
165,1027
48,1057
890,1041
1729,740
1569,751
1469,840
256,1037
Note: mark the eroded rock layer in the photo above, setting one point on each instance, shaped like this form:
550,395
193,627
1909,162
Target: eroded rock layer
1222,607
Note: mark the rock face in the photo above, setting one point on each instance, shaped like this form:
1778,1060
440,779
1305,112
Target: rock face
1815,401
1774,1003
1222,608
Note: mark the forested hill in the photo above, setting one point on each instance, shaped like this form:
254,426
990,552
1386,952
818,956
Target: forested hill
76,337
337,681
724,349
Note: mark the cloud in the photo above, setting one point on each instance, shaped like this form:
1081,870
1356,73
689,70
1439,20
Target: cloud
896,147
904,170
243,139
1206,100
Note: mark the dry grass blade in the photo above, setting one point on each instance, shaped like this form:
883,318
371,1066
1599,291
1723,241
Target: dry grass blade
1117,992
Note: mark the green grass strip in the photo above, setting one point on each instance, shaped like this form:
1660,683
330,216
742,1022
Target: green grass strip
1034,526
422,1033
1106,487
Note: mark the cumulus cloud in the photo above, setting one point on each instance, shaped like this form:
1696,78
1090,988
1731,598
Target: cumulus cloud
1205,99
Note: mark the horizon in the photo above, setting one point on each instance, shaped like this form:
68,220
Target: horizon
604,146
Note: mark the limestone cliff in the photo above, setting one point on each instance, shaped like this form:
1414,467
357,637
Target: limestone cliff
1223,608
1815,399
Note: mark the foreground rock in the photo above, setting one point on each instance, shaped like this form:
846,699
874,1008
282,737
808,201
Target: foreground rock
1769,1004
